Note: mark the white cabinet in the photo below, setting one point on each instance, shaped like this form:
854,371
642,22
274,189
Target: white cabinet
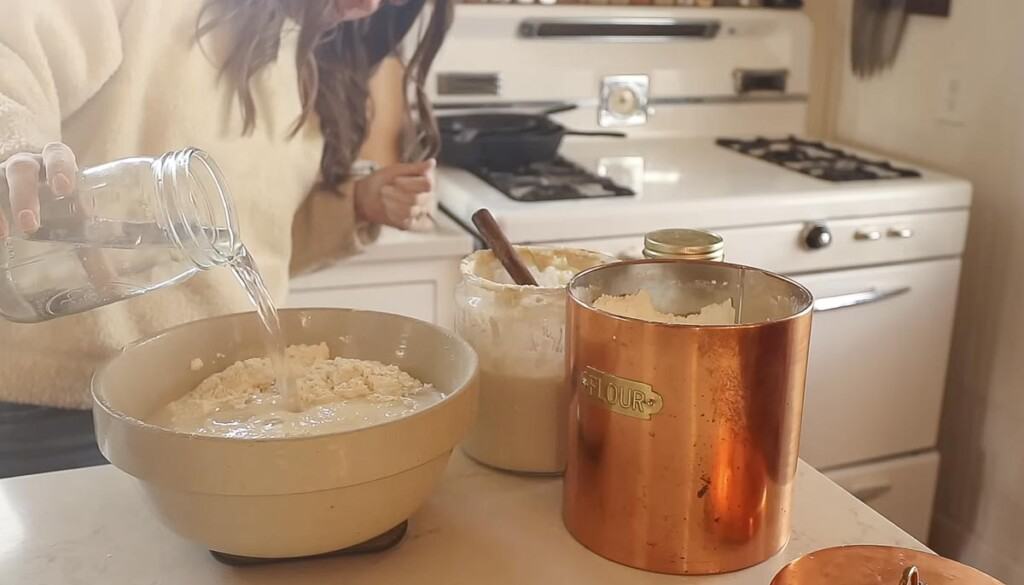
407,273
902,489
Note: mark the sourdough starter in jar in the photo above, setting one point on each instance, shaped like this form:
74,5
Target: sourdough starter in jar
519,334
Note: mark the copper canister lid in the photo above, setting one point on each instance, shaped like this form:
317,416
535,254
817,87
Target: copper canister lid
884,565
684,243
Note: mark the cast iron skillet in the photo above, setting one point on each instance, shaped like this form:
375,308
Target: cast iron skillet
503,141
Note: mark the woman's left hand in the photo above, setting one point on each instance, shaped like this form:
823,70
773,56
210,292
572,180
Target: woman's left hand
396,195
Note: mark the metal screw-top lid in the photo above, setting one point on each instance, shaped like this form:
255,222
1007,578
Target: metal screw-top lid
686,244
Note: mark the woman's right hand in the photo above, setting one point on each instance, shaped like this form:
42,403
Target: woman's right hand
396,195
23,172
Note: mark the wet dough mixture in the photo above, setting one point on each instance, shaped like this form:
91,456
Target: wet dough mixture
641,306
331,394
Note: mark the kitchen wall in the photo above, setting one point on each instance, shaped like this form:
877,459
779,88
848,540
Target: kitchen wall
827,40
955,100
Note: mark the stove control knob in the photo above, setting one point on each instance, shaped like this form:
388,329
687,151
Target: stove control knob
622,101
817,236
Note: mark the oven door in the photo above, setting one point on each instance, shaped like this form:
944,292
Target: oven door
879,346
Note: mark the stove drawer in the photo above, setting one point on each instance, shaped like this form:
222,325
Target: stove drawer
876,375
901,489
854,242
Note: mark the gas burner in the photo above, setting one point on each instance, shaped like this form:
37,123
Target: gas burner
550,181
817,159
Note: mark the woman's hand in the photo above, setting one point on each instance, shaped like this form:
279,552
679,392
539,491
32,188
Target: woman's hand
23,173
396,195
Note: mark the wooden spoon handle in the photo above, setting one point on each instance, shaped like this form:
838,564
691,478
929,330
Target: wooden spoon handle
491,232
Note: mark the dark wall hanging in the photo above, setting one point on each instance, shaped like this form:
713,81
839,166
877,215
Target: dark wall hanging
877,31
929,7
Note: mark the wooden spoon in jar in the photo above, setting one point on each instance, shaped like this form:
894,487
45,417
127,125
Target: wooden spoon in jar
495,239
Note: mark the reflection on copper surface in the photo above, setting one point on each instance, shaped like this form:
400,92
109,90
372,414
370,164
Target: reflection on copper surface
737,487
878,565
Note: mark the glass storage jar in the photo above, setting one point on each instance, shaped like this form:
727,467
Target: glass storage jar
518,333
129,227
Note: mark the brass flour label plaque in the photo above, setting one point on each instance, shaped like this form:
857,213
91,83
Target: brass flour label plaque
620,395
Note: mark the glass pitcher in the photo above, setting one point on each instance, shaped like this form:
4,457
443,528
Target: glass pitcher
131,226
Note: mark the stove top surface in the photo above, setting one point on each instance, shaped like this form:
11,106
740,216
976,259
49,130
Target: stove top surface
551,181
817,159
689,181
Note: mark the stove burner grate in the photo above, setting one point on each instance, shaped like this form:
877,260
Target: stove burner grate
552,180
817,159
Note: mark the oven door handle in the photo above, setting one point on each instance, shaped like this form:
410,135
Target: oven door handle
857,299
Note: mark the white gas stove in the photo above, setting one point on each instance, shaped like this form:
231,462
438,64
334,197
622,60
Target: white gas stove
877,241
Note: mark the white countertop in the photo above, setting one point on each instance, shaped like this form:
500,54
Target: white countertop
444,240
693,182
92,527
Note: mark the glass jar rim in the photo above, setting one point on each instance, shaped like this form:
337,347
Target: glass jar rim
469,275
199,207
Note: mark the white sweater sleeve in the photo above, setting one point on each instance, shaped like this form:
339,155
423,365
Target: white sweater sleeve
54,56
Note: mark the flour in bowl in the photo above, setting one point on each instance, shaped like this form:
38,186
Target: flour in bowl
332,395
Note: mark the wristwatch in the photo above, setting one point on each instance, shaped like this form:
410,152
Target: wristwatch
363,168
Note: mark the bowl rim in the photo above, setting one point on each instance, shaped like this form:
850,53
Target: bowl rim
804,311
101,402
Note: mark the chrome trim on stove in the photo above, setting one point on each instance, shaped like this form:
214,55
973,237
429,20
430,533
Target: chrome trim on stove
538,105
619,29
653,101
729,99
856,299
867,235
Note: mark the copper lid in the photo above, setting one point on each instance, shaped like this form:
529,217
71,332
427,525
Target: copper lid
683,243
881,565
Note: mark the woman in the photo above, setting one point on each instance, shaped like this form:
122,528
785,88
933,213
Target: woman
275,90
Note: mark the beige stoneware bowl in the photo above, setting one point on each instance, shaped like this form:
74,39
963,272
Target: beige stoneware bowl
276,498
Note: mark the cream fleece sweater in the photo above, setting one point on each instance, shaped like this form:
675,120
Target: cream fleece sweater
115,78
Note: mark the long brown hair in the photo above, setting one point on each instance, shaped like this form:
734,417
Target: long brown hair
334,63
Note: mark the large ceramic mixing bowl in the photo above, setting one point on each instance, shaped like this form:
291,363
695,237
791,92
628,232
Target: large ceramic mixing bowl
287,497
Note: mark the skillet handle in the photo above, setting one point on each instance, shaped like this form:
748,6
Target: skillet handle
558,109
611,133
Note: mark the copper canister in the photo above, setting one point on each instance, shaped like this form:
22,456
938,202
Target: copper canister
683,439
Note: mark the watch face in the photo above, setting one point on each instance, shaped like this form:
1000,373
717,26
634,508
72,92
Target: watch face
363,167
